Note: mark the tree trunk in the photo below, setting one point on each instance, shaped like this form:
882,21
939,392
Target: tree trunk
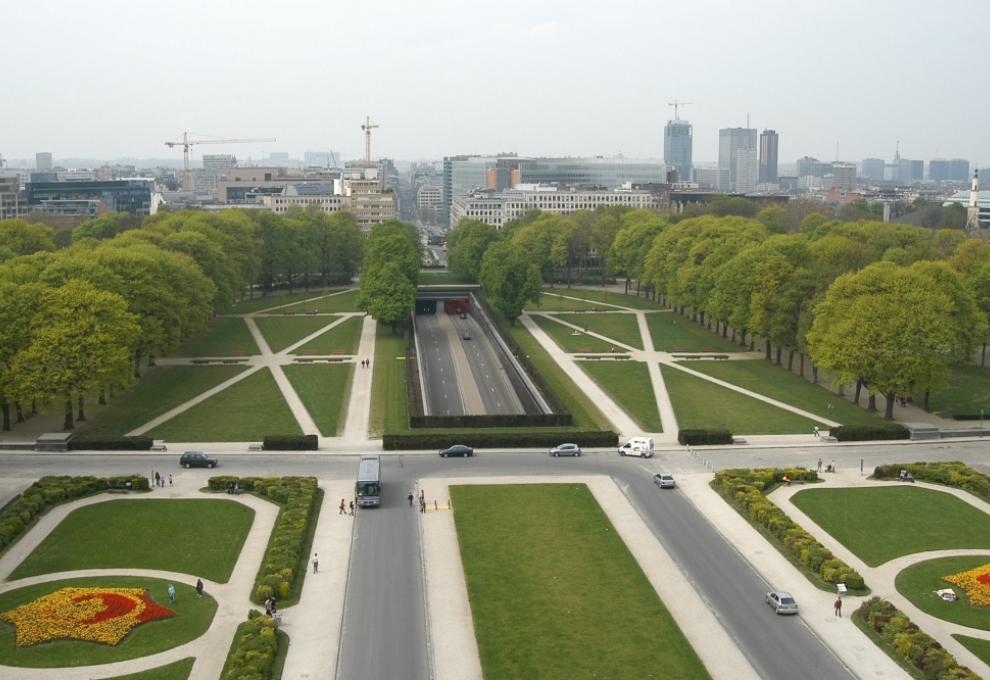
733,335
20,413
779,350
790,360
68,424
871,403
767,351
102,401
627,285
5,409
752,342
888,412
34,407
983,356
859,390
814,374
926,405
82,411
110,390
802,364
725,331
151,360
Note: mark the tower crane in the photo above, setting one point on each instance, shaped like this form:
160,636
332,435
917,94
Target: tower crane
368,126
185,143
677,104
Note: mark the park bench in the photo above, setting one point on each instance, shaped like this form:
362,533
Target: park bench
159,445
256,447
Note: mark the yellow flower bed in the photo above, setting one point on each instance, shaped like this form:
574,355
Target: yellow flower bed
103,615
976,583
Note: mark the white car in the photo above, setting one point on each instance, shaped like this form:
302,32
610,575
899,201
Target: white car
781,602
664,480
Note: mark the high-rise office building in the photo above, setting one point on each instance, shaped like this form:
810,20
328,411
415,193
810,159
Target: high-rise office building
730,170
769,145
43,161
677,140
218,164
843,176
955,170
812,167
873,168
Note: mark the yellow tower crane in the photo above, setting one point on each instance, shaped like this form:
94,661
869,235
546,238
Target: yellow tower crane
185,143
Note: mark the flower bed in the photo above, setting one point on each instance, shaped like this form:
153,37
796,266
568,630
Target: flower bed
104,615
976,583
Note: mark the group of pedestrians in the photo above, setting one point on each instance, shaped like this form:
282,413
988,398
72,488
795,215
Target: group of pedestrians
422,500
158,479
365,363
344,506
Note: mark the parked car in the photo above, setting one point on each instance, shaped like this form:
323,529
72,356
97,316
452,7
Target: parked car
191,459
781,602
457,450
664,480
566,450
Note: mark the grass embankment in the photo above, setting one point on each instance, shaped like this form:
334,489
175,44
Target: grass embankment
282,331
628,383
879,524
673,333
338,302
700,404
919,582
174,671
258,304
979,647
571,340
226,337
561,606
389,410
607,296
966,392
440,277
162,388
245,411
196,537
192,618
324,390
621,327
343,338
778,383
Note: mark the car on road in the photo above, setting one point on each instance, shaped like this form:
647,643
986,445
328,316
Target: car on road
664,480
466,335
191,459
637,446
566,450
457,450
781,602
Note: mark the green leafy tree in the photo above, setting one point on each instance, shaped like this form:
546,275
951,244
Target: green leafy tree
510,279
387,295
23,238
18,304
466,245
106,226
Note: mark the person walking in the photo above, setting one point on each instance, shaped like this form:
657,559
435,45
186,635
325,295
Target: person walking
171,593
838,607
819,465
170,480
268,606
343,511
817,432
410,498
199,587
352,507
316,563
158,478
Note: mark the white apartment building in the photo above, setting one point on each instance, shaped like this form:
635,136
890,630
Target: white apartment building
326,203
498,207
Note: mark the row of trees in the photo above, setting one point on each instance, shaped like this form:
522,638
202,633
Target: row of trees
82,319
390,272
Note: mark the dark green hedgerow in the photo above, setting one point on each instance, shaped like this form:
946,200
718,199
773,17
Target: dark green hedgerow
954,474
703,437
257,650
865,433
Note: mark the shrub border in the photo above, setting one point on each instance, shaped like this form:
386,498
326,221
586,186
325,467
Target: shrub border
954,474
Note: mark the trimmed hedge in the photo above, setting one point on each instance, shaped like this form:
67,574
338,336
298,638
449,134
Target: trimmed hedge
744,489
865,433
284,565
110,443
492,440
253,651
291,442
703,437
885,622
955,474
47,492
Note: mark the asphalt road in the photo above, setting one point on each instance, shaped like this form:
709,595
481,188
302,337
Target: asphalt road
384,631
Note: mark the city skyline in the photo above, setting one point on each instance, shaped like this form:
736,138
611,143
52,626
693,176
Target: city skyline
591,76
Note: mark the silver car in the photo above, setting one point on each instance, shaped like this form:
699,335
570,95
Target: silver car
566,450
781,602
664,480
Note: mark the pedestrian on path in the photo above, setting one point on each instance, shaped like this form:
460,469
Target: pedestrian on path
819,465
818,432
838,607
316,563
352,507
170,480
158,478
171,593
199,587
343,511
410,498
268,606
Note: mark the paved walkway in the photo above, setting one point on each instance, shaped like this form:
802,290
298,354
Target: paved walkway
359,405
881,579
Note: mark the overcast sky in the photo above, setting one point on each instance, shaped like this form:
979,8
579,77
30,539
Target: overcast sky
111,78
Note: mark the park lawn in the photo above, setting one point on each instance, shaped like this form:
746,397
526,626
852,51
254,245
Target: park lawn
199,537
178,670
345,301
699,404
226,337
343,338
324,390
283,331
674,333
258,304
553,589
555,303
628,383
967,392
981,648
620,327
192,618
565,336
162,388
881,523
440,277
246,411
389,410
607,296
919,582
778,383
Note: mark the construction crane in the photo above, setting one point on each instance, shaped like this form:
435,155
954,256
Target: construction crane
368,126
677,104
185,143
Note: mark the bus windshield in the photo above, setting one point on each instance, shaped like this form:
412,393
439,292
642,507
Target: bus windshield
368,487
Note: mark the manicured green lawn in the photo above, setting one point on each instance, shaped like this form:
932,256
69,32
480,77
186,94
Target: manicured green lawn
244,412
389,411
192,618
967,391
628,383
174,671
324,390
881,523
621,327
556,303
277,299
565,337
339,302
674,333
598,295
341,339
919,582
226,337
439,277
199,537
700,404
162,388
778,383
556,594
981,648
282,331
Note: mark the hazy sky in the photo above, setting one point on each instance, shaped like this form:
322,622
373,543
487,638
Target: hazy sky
107,78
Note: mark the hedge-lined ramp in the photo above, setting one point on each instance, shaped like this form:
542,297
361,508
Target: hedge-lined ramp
194,536
555,594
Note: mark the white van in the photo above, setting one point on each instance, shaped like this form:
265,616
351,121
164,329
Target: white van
637,446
